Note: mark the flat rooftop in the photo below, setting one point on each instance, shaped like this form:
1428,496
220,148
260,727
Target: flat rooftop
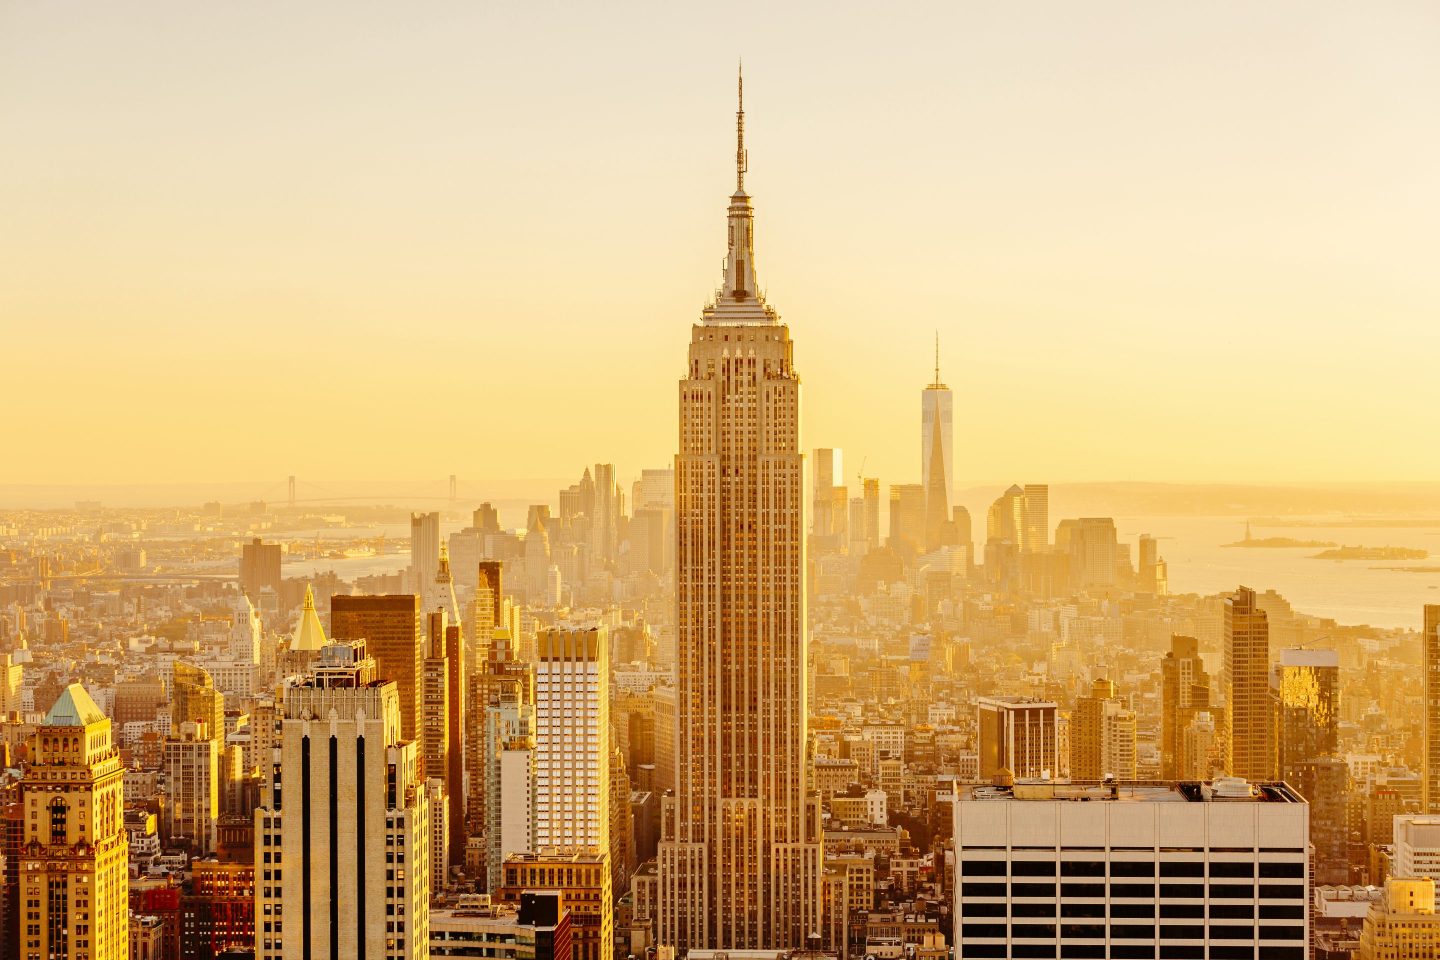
1227,790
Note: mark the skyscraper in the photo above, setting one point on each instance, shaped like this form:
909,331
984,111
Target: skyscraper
353,809
424,549
572,740
1102,735
937,441
1249,720
1087,723
505,750
1151,572
907,516
871,488
605,523
194,699
570,822
75,858
1430,762
442,726
1035,538
1018,735
192,782
259,568
390,627
1184,695
740,862
439,593
1093,549
1306,687
828,468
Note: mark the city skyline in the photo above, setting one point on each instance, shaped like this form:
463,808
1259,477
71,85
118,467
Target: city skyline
743,696
209,251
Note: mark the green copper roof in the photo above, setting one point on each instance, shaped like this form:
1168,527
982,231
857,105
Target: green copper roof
74,709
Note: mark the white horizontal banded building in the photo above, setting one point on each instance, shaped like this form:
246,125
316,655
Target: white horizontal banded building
1145,871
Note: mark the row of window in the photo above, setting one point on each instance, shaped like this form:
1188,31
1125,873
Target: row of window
1128,951
1217,911
1166,891
1098,931
1131,868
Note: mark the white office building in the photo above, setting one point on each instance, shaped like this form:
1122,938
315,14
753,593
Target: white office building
1145,871
1417,847
572,740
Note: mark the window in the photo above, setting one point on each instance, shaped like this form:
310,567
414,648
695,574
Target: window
1068,890
1033,931
1145,890
1286,870
1082,868
1182,868
1229,869
982,931
1128,868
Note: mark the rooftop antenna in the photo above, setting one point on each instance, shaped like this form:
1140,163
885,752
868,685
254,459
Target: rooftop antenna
742,159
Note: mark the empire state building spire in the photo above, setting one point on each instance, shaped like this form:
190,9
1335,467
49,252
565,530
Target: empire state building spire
739,299
742,161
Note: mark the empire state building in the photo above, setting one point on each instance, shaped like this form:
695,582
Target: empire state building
740,855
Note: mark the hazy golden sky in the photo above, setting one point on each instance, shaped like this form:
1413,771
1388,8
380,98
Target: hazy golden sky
1169,241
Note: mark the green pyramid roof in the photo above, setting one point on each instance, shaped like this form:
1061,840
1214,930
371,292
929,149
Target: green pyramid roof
74,709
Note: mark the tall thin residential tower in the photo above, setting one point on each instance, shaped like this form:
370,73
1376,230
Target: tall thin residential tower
1249,713
740,859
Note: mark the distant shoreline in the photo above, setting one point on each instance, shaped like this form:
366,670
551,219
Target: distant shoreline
1372,553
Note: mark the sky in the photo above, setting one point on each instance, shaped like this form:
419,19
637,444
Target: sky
1159,241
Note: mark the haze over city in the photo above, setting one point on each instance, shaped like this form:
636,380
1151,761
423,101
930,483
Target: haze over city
1158,242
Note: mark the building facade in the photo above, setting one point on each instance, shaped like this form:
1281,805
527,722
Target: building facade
1018,735
1249,714
342,836
1179,870
740,862
1184,695
390,626
1430,662
74,864
572,740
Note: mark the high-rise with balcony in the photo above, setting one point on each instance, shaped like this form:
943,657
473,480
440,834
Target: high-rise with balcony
740,859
